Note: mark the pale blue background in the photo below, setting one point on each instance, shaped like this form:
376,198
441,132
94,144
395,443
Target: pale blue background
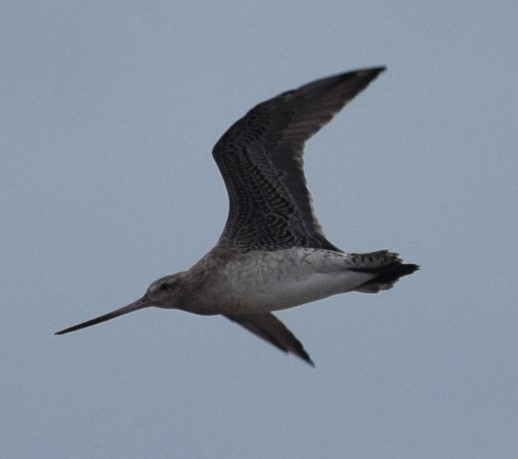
108,114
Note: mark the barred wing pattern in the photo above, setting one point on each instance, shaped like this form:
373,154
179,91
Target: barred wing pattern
261,160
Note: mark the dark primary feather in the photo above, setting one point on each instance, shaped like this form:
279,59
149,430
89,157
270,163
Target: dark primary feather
271,329
261,160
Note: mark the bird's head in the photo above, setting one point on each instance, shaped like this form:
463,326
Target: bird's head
164,292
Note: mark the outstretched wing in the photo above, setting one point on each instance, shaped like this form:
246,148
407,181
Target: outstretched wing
271,329
261,160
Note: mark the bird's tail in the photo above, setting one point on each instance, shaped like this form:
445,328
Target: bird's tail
387,266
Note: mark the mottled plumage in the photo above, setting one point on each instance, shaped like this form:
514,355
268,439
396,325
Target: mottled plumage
273,253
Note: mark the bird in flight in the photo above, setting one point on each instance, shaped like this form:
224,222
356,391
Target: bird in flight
273,253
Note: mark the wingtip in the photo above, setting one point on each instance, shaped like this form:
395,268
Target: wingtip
311,363
304,356
361,77
301,354
373,72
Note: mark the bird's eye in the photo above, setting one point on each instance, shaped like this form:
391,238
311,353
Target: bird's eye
164,286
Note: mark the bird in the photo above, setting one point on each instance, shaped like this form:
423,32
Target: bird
272,253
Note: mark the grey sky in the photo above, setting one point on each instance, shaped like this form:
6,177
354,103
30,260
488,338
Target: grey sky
109,112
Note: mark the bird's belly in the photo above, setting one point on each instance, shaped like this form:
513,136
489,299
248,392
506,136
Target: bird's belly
293,292
284,280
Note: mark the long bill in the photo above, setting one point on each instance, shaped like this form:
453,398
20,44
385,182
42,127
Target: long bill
142,303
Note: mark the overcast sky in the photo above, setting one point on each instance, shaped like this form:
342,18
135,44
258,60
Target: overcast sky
109,112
